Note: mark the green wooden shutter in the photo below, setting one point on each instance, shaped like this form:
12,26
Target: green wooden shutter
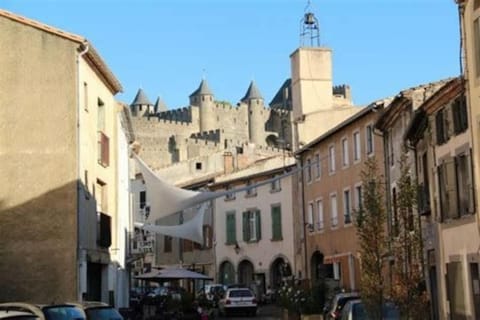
245,227
451,188
231,228
470,184
276,223
258,225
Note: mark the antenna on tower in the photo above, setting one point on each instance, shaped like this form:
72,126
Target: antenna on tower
309,28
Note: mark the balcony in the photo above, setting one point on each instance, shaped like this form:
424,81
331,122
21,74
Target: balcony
103,149
423,200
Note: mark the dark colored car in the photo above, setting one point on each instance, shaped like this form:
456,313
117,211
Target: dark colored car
66,311
99,311
338,302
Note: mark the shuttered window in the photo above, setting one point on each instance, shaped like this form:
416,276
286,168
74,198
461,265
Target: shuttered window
231,228
276,222
448,189
251,226
465,184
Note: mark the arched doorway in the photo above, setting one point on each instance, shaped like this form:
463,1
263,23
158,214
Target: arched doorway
279,271
317,267
227,273
245,273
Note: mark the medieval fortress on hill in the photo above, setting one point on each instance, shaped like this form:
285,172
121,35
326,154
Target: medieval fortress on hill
208,138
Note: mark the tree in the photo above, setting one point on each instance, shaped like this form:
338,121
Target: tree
370,224
408,283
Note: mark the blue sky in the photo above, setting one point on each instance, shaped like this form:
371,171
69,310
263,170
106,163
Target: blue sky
166,46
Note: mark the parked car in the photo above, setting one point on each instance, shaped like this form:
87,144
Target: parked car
238,300
17,315
99,311
355,310
66,311
334,310
213,290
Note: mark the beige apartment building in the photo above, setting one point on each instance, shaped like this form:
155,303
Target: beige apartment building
440,131
253,225
332,190
58,133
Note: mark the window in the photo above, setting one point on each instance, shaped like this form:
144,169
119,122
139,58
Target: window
231,228
358,197
331,159
347,207
207,237
103,149
198,166
275,185
251,226
276,222
356,146
101,196
308,170
251,191
143,199
320,215
85,96
460,117
465,184
345,152
100,115
333,209
104,234
448,189
167,244
369,139
310,217
476,36
318,167
442,126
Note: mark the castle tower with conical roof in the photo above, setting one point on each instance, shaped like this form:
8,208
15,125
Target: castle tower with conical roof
203,99
141,105
159,106
256,124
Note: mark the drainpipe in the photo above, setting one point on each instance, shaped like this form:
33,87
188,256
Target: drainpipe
80,261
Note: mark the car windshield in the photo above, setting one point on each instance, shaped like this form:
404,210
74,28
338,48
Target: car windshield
341,301
358,312
63,313
106,313
240,293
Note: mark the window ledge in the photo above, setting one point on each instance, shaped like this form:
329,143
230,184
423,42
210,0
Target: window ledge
275,190
276,239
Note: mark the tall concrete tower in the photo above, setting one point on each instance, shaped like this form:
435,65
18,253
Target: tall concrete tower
256,122
203,99
315,109
141,105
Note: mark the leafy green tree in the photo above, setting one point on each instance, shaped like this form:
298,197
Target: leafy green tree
370,224
408,289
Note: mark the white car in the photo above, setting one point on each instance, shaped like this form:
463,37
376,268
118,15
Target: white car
17,315
238,300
